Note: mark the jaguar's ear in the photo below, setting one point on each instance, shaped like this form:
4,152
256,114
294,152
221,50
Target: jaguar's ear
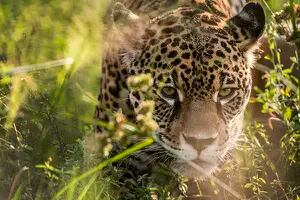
248,25
123,14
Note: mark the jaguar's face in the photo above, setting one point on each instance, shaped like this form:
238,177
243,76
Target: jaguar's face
197,124
201,69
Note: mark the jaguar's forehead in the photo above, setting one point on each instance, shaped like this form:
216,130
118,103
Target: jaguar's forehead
188,16
195,49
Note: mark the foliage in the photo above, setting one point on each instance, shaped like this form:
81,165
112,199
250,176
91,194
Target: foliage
45,108
46,111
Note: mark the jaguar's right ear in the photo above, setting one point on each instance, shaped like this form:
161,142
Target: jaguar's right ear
123,14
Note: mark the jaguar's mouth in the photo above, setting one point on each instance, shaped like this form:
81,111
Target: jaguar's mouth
183,166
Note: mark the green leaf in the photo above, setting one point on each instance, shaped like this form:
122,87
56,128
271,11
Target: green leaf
294,60
287,114
248,185
268,57
288,70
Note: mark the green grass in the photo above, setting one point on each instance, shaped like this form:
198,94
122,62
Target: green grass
50,55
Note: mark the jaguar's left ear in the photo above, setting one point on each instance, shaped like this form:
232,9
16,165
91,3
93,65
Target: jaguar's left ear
248,25
121,13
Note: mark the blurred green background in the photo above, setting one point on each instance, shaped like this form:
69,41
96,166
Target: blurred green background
43,113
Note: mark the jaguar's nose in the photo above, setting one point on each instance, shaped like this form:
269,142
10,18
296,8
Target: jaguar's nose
199,144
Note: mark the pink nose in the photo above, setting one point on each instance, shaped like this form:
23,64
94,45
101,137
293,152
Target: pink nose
199,144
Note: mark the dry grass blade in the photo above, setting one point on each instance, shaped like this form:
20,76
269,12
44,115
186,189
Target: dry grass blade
16,181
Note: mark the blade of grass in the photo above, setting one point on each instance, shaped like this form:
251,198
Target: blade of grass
71,192
36,67
105,163
17,195
87,187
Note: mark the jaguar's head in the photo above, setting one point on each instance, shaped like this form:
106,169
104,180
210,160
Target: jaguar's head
201,65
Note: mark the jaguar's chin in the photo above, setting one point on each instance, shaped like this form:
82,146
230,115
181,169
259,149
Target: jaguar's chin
196,169
188,162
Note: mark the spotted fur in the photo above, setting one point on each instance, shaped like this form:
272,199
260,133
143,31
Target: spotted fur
202,53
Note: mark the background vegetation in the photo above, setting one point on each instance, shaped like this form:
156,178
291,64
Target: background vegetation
50,53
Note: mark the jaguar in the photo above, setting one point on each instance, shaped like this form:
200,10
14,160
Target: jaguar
199,54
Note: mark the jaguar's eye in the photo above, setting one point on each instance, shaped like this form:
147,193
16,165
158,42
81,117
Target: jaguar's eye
226,93
169,92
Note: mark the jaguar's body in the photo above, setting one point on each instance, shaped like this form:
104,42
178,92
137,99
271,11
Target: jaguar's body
200,57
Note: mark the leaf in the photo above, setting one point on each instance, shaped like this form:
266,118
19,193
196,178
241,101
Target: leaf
288,70
272,44
248,185
268,57
287,114
294,60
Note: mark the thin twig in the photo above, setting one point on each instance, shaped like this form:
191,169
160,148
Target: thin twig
16,181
